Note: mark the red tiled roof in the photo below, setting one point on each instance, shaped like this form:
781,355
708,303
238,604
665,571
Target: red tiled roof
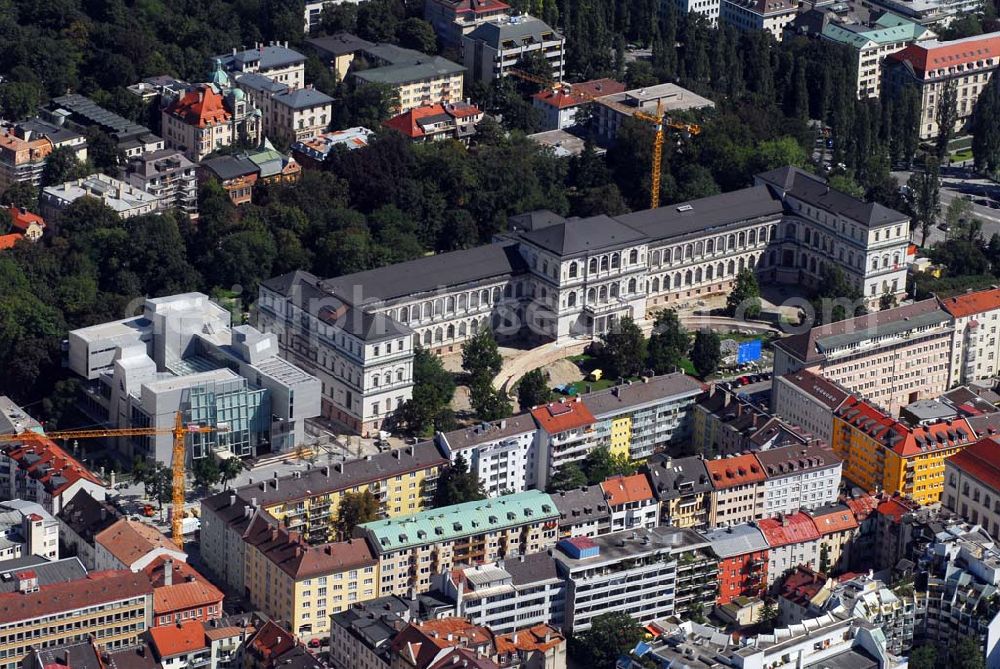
99,587
179,639
408,122
862,507
419,643
190,590
802,585
972,303
8,241
130,540
896,508
901,438
290,552
934,55
563,96
271,641
54,468
479,6
734,471
540,637
793,528
981,461
556,417
833,520
21,218
620,490
200,107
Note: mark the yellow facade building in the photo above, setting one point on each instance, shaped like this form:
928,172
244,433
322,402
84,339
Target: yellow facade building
290,580
883,454
621,436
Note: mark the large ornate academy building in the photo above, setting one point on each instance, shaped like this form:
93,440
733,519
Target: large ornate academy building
552,278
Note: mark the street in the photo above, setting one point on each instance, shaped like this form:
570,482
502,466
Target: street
958,182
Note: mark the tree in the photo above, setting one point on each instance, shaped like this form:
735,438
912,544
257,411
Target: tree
21,194
743,301
947,116
923,197
433,389
355,508
837,298
229,470
487,402
600,465
567,477
623,349
668,343
481,357
206,472
967,654
610,635
985,129
61,166
768,614
533,390
457,484
417,34
923,657
706,354
19,100
887,301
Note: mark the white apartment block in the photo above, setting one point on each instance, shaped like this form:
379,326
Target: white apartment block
808,400
416,78
124,199
275,61
737,490
494,47
26,528
799,477
566,434
793,540
707,8
503,454
759,15
168,175
302,112
631,502
972,484
975,353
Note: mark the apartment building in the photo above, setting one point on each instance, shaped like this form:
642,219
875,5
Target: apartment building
792,540
454,19
611,110
631,502
288,579
360,636
561,103
25,148
583,512
181,354
737,490
181,594
931,66
972,484
837,527
891,357
743,561
510,594
37,470
638,418
683,489
872,43
315,152
566,433
302,112
504,454
495,46
669,571
241,173
412,549
80,520
26,528
202,120
133,545
438,122
799,477
124,199
274,60
808,400
759,15
416,78
881,453
934,14
975,353
80,113
48,603
167,175
181,646
338,51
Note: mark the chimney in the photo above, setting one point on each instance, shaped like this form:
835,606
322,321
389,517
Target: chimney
232,500
168,572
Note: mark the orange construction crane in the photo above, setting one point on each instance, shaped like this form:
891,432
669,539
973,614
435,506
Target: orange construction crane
179,431
659,122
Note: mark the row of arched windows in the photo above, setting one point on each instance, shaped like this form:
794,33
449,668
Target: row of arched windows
736,241
698,275
602,263
453,304
450,332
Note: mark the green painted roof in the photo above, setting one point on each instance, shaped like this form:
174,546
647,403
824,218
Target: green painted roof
888,28
460,520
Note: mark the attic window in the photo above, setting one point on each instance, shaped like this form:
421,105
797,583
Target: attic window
546,508
438,530
494,520
457,527
685,207
384,541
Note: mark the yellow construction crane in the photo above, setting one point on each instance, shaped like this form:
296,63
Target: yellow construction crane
179,432
659,122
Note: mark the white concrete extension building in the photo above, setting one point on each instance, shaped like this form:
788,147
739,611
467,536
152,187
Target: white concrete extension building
555,279
503,454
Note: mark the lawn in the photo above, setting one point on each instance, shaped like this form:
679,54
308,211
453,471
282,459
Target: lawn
581,386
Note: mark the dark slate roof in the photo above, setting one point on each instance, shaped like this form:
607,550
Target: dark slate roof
655,389
305,291
427,274
519,29
581,505
87,516
231,509
674,477
482,433
269,57
133,657
736,540
338,44
815,191
48,573
708,213
531,568
303,98
425,67
81,655
584,235
230,167
534,220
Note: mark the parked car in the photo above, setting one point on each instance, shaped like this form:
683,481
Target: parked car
314,643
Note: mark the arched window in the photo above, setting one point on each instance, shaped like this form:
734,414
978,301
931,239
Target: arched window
399,374
591,296
752,238
602,294
404,315
885,260
475,326
741,240
697,275
721,270
708,273
731,242
484,297
427,309
677,280
592,266
496,296
450,305
375,381
614,290
655,258
677,253
699,249
571,300
688,249
742,265
438,307
631,286
731,268
438,335
710,246
508,290
604,263
462,301
572,270
874,263
751,261
895,258
687,278
415,313
387,379
806,235
771,232
790,231
451,332
654,285
633,257
427,338
616,261
462,329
